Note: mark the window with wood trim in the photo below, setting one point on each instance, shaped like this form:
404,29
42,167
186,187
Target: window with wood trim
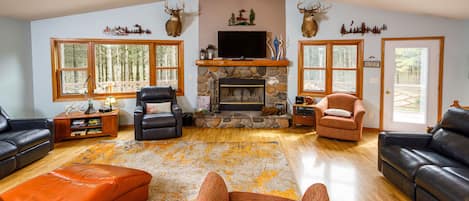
99,67
330,66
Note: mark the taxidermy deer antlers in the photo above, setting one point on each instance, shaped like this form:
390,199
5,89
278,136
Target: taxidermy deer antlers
174,24
310,26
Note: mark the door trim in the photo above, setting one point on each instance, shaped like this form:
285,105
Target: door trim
440,72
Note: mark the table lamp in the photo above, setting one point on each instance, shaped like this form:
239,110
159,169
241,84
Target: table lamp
109,101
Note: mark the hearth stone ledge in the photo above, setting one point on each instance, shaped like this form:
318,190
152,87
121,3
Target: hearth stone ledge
241,121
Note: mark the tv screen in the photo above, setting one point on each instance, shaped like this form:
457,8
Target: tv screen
236,44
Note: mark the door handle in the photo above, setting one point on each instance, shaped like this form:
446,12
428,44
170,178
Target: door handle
387,92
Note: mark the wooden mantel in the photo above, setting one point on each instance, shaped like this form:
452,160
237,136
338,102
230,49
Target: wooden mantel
231,63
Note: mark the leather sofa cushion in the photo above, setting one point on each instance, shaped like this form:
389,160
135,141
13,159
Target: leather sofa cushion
7,150
451,144
436,158
455,119
3,123
81,183
403,160
338,122
26,139
158,120
444,183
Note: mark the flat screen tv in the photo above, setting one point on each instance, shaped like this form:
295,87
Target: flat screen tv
242,44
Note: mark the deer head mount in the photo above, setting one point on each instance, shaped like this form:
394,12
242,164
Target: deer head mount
310,26
174,24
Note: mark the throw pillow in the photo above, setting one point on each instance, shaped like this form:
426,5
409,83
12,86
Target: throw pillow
155,108
338,112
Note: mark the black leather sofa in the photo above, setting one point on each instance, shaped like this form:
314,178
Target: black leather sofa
23,142
429,166
161,125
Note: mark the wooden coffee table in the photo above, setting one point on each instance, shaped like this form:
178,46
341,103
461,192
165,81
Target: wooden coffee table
77,125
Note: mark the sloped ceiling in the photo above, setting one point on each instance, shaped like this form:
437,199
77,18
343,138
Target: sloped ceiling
40,9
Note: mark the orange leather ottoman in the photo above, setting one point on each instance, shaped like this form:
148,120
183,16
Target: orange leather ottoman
83,183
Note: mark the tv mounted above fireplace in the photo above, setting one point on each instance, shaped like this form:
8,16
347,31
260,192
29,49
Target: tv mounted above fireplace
242,44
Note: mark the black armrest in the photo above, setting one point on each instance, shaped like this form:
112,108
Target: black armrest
138,116
27,124
404,139
138,109
177,111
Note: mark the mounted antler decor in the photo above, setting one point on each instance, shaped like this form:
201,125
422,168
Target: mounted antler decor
174,24
310,26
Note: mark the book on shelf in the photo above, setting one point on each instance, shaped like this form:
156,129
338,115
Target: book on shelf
94,131
94,122
78,133
78,121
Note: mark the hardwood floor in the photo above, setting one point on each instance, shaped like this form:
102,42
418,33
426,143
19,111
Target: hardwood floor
348,169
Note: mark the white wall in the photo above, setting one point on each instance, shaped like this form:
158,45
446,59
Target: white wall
466,58
91,25
15,67
399,25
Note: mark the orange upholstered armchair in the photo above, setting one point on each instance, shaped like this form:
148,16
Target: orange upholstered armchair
339,127
214,189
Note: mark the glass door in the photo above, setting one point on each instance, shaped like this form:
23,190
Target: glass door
411,77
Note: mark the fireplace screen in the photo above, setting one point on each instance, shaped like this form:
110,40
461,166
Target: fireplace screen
241,94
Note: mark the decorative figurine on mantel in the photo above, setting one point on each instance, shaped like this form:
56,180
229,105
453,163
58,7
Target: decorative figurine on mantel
277,50
241,20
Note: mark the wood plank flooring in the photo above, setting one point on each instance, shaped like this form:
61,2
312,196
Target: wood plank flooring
347,168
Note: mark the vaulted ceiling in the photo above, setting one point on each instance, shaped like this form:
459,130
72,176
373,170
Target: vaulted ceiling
40,9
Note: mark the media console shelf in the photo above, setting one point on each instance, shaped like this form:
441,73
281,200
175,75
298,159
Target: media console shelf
241,63
78,125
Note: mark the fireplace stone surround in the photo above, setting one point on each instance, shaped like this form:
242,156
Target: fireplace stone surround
275,92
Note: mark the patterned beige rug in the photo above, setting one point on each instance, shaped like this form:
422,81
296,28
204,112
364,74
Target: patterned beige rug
178,168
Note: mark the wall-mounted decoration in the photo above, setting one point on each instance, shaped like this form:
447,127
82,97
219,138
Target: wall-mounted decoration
174,24
124,31
241,20
371,63
309,28
362,29
276,47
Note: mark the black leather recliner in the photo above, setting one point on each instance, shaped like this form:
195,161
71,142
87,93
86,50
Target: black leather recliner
429,166
23,142
161,125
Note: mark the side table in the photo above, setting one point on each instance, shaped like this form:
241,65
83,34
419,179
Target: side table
304,114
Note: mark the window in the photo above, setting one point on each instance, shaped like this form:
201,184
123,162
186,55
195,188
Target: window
326,67
99,68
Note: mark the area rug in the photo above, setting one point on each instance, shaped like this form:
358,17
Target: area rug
178,168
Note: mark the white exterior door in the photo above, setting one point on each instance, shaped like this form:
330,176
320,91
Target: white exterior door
411,81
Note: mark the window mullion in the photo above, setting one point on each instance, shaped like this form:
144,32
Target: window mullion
153,64
329,62
91,70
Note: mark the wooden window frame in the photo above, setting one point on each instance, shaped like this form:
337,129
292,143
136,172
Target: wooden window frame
57,69
329,44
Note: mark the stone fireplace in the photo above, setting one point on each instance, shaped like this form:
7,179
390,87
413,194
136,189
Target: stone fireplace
274,78
240,92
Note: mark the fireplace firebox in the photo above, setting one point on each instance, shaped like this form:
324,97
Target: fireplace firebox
236,94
